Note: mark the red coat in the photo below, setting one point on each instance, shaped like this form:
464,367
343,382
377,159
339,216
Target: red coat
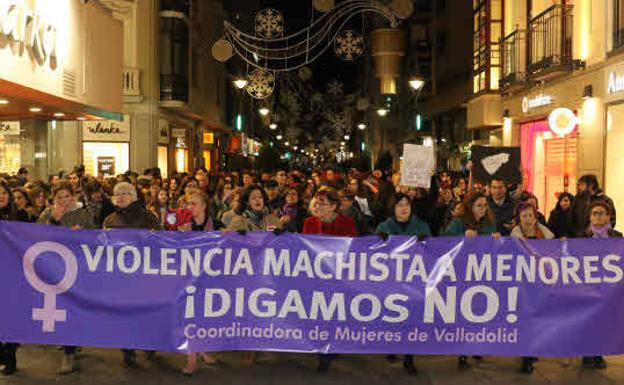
342,226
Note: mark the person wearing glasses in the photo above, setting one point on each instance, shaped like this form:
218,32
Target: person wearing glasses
130,214
599,227
477,220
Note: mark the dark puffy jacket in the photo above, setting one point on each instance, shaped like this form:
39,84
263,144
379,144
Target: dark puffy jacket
503,213
132,217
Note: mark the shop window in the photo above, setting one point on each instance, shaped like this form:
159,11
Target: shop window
106,159
174,56
618,23
614,162
163,160
488,30
10,154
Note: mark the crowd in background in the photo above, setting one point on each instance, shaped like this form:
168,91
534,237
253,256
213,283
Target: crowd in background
322,202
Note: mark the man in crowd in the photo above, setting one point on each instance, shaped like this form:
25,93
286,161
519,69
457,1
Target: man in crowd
589,192
502,205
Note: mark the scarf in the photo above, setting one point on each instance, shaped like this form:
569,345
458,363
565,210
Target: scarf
601,231
256,216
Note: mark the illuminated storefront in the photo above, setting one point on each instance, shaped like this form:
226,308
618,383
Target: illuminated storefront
181,154
614,161
10,157
163,147
106,147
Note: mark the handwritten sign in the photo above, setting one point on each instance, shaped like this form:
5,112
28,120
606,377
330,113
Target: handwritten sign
418,164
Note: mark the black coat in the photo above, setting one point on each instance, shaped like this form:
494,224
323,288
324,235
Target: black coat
561,223
10,213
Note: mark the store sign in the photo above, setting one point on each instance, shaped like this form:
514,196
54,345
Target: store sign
23,25
562,121
10,128
107,130
615,83
163,131
178,132
529,103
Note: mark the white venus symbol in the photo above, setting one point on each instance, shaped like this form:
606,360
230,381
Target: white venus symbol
49,314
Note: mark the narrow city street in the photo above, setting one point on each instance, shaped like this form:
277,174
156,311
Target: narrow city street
38,365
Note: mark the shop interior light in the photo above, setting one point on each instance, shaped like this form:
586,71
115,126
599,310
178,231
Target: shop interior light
362,126
264,111
342,143
295,148
4,101
273,126
240,83
278,137
35,109
286,144
347,137
81,118
58,114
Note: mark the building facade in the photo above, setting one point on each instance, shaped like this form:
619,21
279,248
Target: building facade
552,84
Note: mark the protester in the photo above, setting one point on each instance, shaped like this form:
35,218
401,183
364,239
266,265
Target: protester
327,220
351,210
98,204
228,213
561,219
502,206
599,227
588,192
293,212
528,225
526,196
22,202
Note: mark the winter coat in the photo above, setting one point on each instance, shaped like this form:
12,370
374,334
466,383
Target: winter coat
244,223
503,213
76,216
517,232
561,223
414,227
131,217
11,213
458,228
341,226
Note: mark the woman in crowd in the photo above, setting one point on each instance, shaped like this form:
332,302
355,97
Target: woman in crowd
129,214
561,219
221,202
22,202
442,212
160,206
459,189
599,228
226,216
39,200
364,201
199,205
185,187
351,210
327,220
402,222
293,213
477,220
8,212
528,227
526,196
253,215
65,211
527,223
173,187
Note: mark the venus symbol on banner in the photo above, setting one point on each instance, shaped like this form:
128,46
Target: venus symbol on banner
49,314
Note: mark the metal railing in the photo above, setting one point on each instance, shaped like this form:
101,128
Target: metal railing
174,87
513,58
550,39
131,82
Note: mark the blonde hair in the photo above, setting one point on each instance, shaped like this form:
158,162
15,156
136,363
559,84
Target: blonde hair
125,187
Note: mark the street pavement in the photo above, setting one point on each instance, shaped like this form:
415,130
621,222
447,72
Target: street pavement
38,365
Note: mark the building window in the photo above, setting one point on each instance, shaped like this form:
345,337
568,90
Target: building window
488,29
618,24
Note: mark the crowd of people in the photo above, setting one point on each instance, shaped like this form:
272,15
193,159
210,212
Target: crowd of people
322,202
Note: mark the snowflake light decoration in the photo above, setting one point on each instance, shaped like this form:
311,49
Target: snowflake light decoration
269,23
335,88
349,45
337,121
261,84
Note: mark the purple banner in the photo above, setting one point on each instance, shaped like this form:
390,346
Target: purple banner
187,292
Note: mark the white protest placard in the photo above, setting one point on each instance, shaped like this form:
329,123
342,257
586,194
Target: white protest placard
418,164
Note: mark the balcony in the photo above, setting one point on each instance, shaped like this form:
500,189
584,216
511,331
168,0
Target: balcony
131,85
618,40
174,91
550,43
513,56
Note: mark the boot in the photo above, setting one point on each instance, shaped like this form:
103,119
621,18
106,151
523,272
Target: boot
129,358
408,365
462,363
67,364
600,363
527,365
10,360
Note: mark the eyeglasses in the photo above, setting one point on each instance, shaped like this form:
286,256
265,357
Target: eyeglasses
598,213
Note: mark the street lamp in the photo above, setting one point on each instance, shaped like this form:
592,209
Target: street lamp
273,126
362,126
264,111
240,82
347,137
382,111
416,83
279,137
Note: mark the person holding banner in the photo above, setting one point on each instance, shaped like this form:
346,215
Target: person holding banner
252,214
327,220
403,222
199,204
529,227
561,219
9,212
477,220
130,214
599,227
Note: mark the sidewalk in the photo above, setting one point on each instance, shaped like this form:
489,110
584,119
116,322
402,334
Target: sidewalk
38,365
